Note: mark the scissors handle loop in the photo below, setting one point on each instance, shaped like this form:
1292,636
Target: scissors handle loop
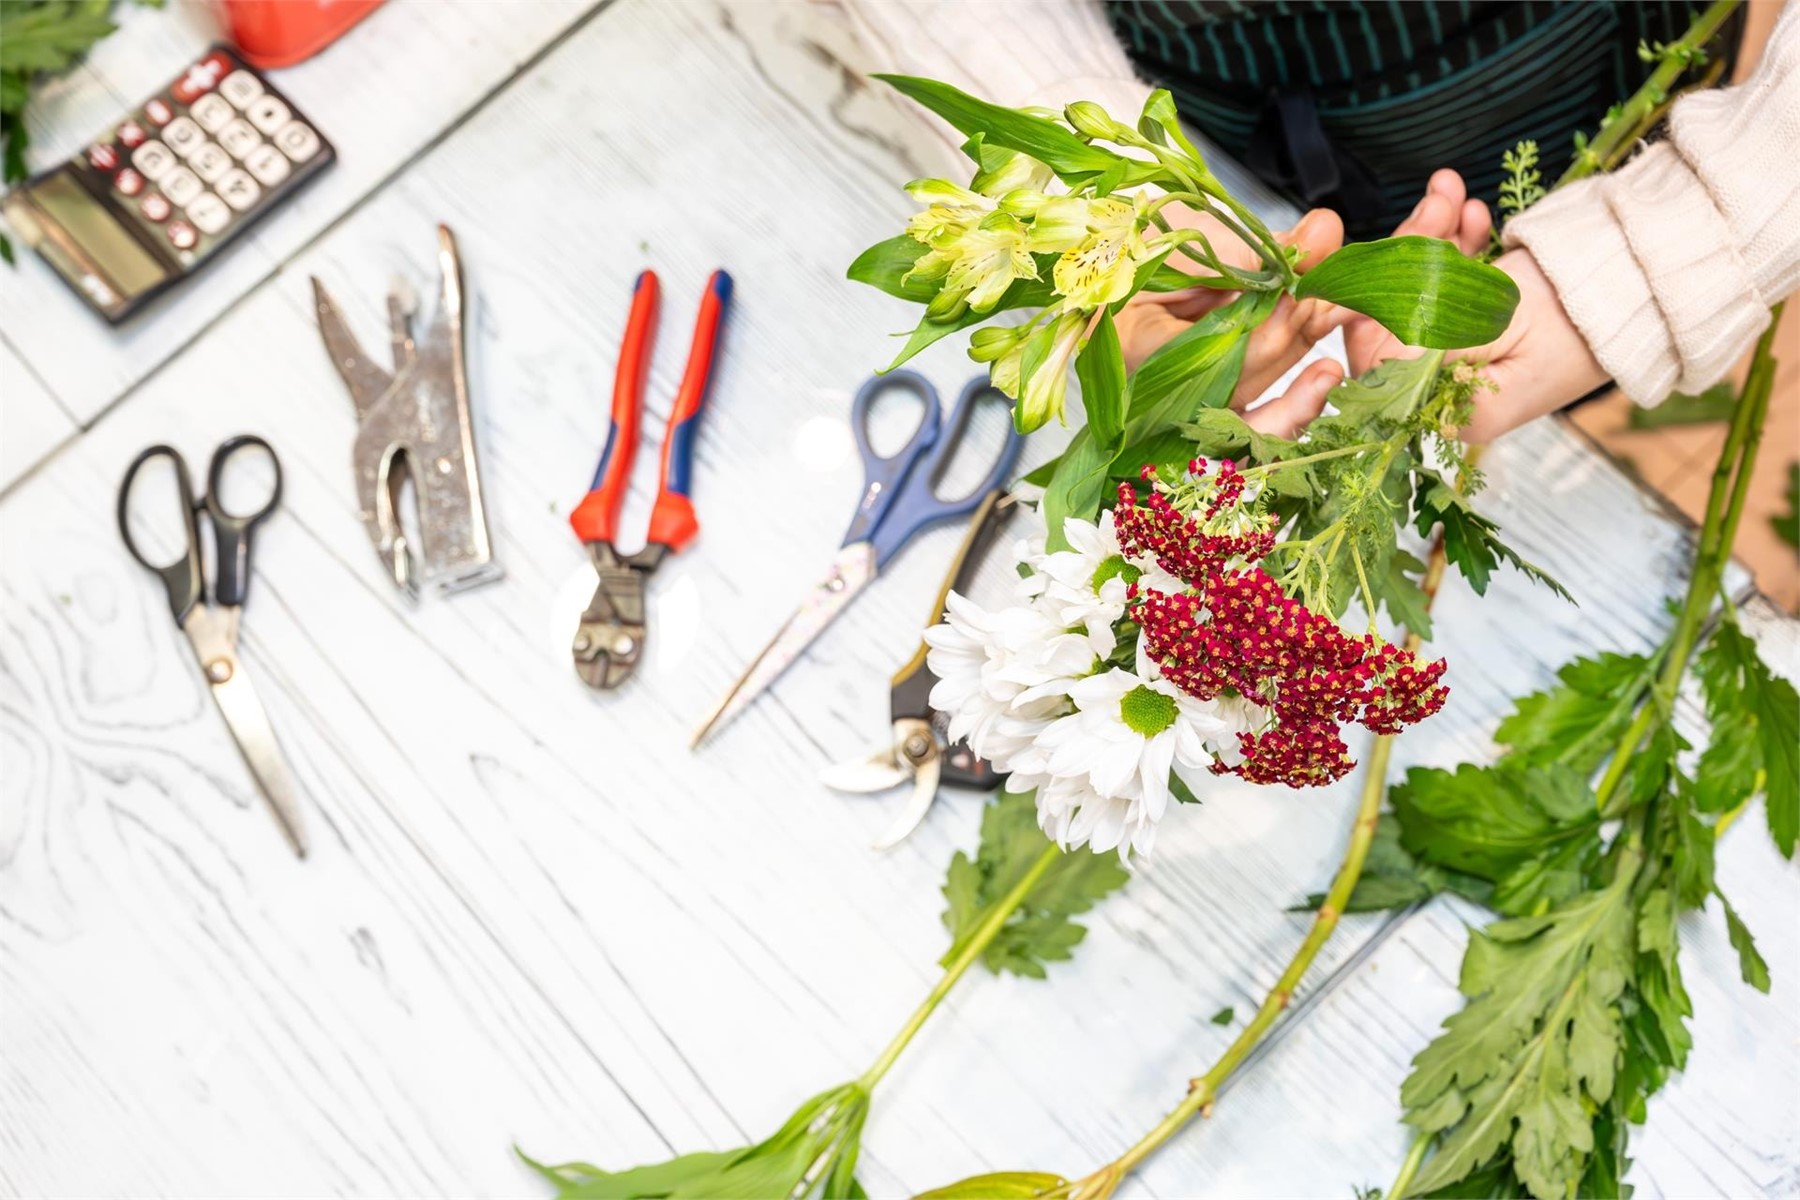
182,578
915,504
882,477
231,531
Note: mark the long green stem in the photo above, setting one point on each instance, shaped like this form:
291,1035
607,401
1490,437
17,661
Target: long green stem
966,955
1204,1090
1718,530
1409,1166
1627,122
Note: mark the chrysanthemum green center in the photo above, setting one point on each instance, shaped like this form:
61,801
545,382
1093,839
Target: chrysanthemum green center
1115,568
1146,711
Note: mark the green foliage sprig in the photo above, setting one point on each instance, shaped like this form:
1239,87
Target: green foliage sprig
1589,836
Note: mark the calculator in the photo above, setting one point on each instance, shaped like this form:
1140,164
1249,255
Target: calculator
157,196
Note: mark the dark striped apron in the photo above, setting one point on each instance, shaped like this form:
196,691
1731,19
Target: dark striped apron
1353,104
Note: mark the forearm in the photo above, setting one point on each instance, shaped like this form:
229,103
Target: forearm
1668,266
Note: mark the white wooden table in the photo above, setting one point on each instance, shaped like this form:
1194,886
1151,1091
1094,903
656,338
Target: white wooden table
532,915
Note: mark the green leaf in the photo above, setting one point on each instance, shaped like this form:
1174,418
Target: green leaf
1047,141
1075,487
1002,1185
1535,1050
885,265
1750,963
1401,592
1041,930
1223,1017
1716,403
1392,391
1425,291
1100,368
1532,831
823,1135
48,37
1174,383
1578,721
1469,540
1740,689
1392,878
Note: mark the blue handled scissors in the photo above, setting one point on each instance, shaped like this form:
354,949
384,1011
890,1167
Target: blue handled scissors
899,499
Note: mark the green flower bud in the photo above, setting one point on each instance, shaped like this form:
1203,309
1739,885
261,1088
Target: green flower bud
1090,120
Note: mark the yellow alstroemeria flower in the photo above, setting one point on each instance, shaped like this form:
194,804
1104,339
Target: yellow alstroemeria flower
1099,269
988,258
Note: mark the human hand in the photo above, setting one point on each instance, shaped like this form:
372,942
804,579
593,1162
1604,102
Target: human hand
1445,211
1151,319
1540,364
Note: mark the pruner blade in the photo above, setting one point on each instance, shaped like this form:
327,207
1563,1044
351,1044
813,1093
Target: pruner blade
913,754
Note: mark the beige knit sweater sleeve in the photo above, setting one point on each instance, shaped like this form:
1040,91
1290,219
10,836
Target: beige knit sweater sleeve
1669,266
1013,52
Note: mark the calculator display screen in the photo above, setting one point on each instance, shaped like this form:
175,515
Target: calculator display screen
130,267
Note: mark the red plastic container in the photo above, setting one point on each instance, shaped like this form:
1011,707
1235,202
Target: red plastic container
278,33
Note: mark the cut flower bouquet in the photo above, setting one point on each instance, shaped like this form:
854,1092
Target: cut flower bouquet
1154,651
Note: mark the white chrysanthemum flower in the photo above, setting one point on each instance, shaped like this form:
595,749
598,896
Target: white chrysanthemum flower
1110,760
1086,584
1002,676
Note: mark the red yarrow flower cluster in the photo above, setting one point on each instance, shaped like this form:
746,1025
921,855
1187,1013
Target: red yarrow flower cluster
1236,630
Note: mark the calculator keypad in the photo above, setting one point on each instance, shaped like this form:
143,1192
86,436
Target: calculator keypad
212,112
203,157
181,185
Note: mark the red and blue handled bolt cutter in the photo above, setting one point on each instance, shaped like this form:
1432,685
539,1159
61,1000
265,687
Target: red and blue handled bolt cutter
611,637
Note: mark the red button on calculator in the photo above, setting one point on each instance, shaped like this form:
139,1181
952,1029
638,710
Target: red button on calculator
129,182
158,111
132,135
103,158
155,206
200,78
182,235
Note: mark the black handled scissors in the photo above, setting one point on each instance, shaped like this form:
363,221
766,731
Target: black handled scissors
212,627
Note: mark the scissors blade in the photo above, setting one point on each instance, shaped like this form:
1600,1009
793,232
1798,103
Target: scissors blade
213,634
850,572
924,793
876,772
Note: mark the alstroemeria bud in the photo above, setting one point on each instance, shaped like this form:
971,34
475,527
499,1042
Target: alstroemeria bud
991,341
1090,120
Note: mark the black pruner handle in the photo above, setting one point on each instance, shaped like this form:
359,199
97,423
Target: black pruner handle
910,694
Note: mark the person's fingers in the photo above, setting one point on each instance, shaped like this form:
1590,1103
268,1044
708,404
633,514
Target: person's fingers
1289,413
1281,341
1475,228
1319,234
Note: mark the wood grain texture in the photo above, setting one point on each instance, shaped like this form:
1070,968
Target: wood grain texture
411,69
582,937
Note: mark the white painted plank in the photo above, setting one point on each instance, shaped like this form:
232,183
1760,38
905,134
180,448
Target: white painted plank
710,927
383,92
32,423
